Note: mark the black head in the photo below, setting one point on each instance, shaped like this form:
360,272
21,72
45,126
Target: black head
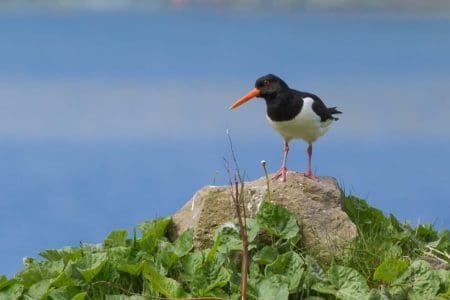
266,87
269,85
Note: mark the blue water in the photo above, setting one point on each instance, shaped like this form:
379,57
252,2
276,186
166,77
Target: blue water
198,44
57,193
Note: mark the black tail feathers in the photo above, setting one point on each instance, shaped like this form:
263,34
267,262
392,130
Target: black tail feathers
333,111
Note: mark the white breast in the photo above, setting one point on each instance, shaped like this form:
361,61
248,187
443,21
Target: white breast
306,125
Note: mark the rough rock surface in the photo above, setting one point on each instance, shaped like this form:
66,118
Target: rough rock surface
316,204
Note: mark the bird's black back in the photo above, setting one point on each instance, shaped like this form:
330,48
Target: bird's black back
286,104
319,107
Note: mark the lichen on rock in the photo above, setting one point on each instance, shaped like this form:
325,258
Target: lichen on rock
317,205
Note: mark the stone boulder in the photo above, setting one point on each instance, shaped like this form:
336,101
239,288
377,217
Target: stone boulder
325,227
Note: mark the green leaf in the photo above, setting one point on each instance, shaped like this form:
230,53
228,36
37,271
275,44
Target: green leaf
12,292
252,289
155,228
381,294
87,248
230,235
40,289
89,266
132,269
51,254
63,279
426,233
442,243
390,269
209,274
116,238
274,287
254,271
266,255
152,232
124,297
71,276
209,277
183,245
118,254
277,220
66,254
344,283
445,235
253,229
212,252
166,286
419,281
4,282
362,214
80,296
394,223
290,265
324,288
64,293
444,278
167,254
38,271
230,238
313,273
190,264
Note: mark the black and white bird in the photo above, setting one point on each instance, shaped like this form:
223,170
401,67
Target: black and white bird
294,114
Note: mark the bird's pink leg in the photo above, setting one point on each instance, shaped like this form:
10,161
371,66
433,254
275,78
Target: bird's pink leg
309,173
283,170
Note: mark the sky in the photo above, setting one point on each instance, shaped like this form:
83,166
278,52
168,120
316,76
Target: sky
112,113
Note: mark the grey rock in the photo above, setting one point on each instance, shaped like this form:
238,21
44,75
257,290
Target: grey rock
326,228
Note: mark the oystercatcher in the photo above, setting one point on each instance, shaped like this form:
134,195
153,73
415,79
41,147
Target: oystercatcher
294,114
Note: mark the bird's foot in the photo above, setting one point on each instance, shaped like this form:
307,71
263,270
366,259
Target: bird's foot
280,173
310,176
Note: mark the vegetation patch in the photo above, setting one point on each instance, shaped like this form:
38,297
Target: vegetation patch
388,260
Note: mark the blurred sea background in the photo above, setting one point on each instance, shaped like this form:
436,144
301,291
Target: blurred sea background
115,112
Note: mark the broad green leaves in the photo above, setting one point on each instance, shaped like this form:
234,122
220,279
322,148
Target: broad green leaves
183,245
13,291
266,255
205,272
273,287
152,232
90,266
390,269
419,281
362,214
116,238
166,286
277,220
38,271
152,266
344,283
290,265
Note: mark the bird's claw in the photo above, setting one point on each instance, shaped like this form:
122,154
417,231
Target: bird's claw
280,173
310,176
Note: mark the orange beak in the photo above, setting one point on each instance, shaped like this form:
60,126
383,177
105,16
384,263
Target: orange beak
252,94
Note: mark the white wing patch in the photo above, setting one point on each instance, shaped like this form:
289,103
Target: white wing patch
306,125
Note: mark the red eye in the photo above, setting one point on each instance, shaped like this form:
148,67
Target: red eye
266,82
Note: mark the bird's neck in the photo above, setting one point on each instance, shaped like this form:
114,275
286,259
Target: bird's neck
282,106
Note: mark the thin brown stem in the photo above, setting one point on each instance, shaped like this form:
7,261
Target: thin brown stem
237,195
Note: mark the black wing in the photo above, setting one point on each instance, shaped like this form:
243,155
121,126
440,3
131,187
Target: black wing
319,107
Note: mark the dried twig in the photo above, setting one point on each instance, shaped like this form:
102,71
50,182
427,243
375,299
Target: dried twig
441,256
237,195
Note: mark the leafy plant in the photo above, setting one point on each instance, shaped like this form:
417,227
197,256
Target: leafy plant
388,260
